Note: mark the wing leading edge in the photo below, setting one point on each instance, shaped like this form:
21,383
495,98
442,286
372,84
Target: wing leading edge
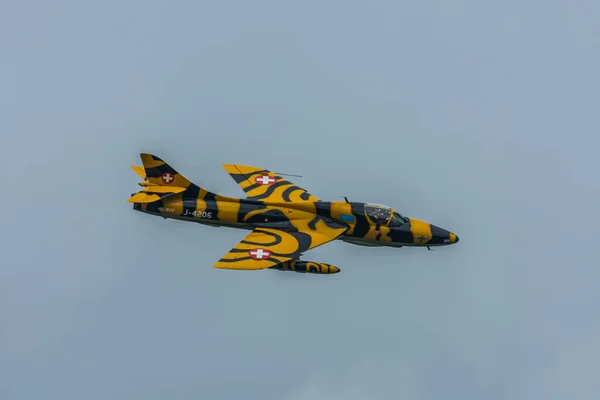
267,247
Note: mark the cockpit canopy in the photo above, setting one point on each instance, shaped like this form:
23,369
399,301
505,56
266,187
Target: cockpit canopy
384,215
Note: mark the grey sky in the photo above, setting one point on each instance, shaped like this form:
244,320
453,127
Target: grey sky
478,117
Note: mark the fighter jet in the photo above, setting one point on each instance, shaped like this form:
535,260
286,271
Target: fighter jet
284,219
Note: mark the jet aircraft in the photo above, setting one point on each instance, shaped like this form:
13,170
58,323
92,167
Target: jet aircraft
284,219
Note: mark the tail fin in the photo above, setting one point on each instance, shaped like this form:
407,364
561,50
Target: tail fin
161,180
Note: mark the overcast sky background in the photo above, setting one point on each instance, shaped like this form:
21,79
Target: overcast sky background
479,117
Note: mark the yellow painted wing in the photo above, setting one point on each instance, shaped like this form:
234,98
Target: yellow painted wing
262,184
267,247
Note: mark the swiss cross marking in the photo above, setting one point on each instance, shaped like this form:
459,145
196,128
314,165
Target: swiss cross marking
265,180
259,254
167,178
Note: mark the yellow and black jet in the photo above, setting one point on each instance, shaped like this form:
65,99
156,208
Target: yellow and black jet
285,220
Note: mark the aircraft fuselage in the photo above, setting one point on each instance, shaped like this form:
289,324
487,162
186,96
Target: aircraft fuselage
249,214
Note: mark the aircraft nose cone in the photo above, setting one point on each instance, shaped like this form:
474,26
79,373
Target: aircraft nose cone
453,237
442,236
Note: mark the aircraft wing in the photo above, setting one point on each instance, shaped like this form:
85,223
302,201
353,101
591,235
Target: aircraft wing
262,184
267,247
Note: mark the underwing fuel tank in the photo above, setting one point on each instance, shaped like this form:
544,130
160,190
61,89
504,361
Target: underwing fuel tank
310,267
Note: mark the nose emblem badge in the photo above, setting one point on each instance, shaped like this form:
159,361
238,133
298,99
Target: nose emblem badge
422,238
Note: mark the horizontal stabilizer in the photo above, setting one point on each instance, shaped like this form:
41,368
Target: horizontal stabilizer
153,193
163,189
139,170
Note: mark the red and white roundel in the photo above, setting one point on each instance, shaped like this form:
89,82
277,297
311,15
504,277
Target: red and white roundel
167,178
265,179
259,254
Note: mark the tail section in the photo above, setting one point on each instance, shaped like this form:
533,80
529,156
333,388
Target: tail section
159,173
161,181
